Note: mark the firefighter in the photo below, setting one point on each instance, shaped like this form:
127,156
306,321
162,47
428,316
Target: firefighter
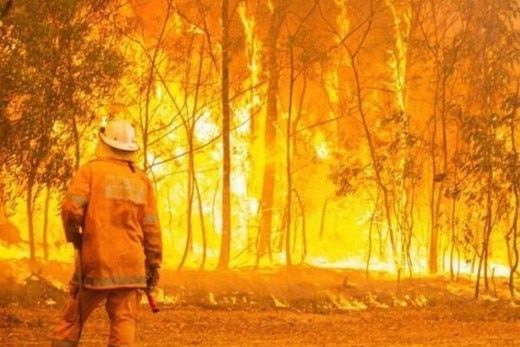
110,216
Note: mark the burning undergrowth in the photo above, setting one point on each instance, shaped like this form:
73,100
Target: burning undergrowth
315,290
33,290
300,289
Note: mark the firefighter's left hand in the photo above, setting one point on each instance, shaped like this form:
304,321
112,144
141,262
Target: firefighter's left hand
77,240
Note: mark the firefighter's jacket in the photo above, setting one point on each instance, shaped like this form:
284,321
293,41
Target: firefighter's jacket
113,204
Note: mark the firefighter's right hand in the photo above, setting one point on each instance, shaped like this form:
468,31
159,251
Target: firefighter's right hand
152,276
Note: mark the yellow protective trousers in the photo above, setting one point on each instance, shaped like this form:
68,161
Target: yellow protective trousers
122,306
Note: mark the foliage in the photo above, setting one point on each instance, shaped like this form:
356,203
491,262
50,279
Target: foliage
58,70
345,173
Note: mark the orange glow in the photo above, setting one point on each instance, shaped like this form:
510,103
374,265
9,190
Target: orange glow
352,190
398,57
253,47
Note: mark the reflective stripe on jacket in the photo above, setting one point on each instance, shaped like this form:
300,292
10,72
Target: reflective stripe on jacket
115,205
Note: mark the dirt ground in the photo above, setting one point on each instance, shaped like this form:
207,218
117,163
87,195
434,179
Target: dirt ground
303,307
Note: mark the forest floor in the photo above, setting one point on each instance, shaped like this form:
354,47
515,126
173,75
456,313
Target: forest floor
303,307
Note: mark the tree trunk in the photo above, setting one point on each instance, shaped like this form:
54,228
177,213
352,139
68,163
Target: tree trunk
268,182
304,227
512,236
288,155
46,223
202,224
488,228
3,213
225,246
189,199
30,218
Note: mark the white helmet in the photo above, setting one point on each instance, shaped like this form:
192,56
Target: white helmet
119,134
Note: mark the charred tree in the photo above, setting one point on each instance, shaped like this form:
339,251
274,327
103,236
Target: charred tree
225,246
45,236
271,128
512,235
288,158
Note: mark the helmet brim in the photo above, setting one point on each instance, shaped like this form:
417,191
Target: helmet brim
127,147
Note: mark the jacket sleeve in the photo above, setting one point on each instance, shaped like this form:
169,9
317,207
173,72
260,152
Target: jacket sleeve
74,205
152,230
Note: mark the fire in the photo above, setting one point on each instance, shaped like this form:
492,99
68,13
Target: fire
253,48
205,129
322,150
398,56
13,252
351,178
333,80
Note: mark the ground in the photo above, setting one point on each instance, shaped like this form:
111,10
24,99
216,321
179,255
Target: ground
303,307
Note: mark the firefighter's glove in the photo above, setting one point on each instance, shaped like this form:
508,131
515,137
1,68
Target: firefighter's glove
73,234
77,240
152,276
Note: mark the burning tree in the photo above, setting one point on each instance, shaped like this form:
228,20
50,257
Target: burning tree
286,131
